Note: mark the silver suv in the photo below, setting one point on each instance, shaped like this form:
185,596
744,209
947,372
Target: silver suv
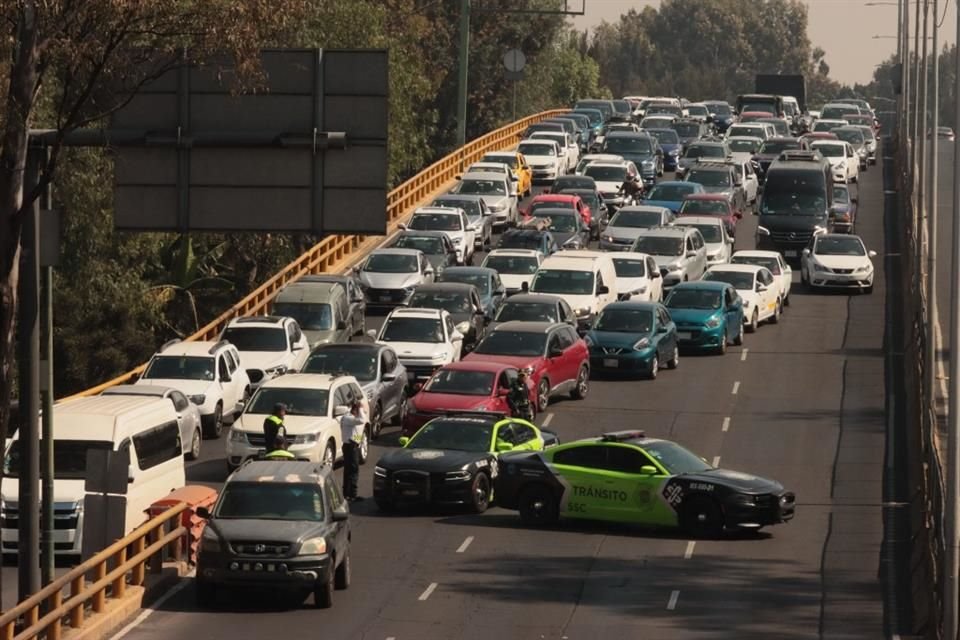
679,251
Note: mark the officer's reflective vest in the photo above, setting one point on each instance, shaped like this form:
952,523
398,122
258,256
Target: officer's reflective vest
280,453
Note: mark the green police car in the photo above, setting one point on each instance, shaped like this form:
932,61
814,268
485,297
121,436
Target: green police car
626,477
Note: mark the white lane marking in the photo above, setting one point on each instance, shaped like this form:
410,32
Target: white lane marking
726,424
743,355
177,588
546,420
689,552
736,387
466,543
426,593
674,596
716,461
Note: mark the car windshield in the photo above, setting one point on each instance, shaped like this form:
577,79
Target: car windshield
270,501
770,263
779,125
704,152
709,207
636,219
656,123
777,147
794,193
310,316
627,268
482,187
558,222
849,135
839,246
671,192
256,339
743,146
69,458
480,280
841,194
659,245
675,459
738,279
435,222
520,240
687,129
537,150
746,131
299,402
362,365
766,107
665,136
711,232
527,312
453,435
603,173
593,115
489,167
509,160
513,343
563,281
512,265
825,126
710,178
563,183
466,383
471,207
590,198
391,263
452,301
694,299
400,329
831,150
431,246
180,368
628,145
624,320
544,204
720,109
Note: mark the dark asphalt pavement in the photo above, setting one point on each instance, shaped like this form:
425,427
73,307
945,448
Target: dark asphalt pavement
801,402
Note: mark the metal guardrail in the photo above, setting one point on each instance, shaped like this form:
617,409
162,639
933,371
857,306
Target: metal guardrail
337,252
122,563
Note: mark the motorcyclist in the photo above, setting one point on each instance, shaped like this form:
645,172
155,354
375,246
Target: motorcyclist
631,189
519,397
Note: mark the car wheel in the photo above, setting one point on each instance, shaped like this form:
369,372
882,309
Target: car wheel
323,593
775,319
401,410
206,593
754,321
215,428
738,339
330,454
786,301
344,574
365,447
195,441
376,420
583,384
675,360
701,517
538,506
543,394
480,493
654,368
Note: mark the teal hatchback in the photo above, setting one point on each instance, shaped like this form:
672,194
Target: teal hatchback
708,315
633,338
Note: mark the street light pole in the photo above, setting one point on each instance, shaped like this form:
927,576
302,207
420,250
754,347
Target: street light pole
462,73
932,209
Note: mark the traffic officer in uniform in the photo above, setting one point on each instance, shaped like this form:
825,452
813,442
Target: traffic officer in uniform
352,427
273,425
280,451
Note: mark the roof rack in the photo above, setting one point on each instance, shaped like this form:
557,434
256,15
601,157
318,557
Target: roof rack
463,413
801,155
623,436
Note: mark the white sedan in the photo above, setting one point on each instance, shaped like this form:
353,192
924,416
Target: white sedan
638,277
838,260
775,264
757,288
843,159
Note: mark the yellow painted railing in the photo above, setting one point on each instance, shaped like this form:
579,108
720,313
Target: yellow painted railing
120,565
336,253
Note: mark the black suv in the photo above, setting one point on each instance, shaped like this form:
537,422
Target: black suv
279,525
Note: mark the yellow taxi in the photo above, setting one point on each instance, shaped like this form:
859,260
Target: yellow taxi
518,166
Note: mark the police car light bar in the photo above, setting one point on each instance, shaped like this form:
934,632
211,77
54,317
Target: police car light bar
621,436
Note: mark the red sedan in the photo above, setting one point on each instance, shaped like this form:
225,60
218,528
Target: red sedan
563,200
463,386
711,204
558,358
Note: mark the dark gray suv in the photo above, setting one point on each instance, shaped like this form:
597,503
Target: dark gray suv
277,525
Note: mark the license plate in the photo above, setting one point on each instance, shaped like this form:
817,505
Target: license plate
684,335
410,492
385,298
791,253
611,362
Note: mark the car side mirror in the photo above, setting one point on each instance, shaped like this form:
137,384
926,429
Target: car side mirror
555,352
691,254
854,200
388,377
662,329
458,177
372,333
340,410
403,441
202,512
402,225
730,240
340,515
513,178
738,215
871,254
602,289
761,288
225,378
456,335
503,392
341,325
654,275
428,271
130,475
504,446
648,470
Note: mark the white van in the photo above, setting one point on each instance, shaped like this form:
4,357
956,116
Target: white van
587,280
108,423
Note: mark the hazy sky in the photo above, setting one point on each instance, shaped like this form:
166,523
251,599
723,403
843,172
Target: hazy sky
843,28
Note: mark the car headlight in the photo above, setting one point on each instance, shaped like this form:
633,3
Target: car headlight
763,231
582,312
409,290
380,472
209,541
497,208
458,476
674,152
817,230
864,269
463,327
313,547
588,340
474,226
305,438
276,371
647,164
198,399
713,322
440,358
673,268
238,436
820,268
608,238
642,343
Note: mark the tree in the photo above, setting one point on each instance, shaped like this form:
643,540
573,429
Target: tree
78,61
